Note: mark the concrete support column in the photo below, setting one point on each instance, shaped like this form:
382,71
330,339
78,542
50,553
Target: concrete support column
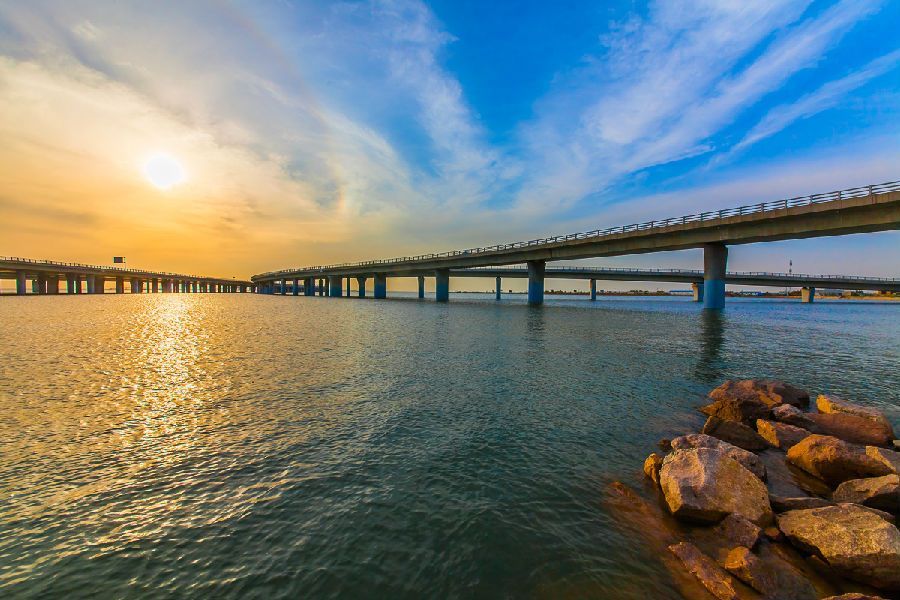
77,280
348,287
53,284
593,290
154,285
296,289
120,285
380,290
99,284
536,282
697,288
21,283
284,287
39,285
334,286
497,285
421,281
361,286
808,295
715,259
309,286
442,285
70,284
321,287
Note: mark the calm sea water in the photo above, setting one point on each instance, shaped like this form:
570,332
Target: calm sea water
245,446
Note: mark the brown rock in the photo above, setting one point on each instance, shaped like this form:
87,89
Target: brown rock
780,435
781,504
833,460
896,444
651,467
665,445
738,531
877,492
851,428
773,534
769,392
789,481
748,460
772,577
792,416
889,458
705,485
734,433
855,542
854,596
831,404
718,582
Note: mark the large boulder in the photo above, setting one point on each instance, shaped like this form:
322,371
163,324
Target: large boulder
746,400
852,428
854,596
713,577
769,575
780,435
793,416
651,467
888,458
705,485
782,504
852,540
831,404
750,461
734,433
738,531
878,492
834,461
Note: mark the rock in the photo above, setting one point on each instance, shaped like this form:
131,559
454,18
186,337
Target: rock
855,542
792,416
781,504
878,492
713,577
734,433
831,404
834,461
786,480
896,444
771,576
888,458
747,459
851,428
854,596
773,534
651,467
665,445
706,485
780,435
875,511
750,399
738,531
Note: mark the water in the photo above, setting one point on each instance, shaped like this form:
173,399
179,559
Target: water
244,446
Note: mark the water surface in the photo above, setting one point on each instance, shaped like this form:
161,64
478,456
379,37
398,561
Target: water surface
230,446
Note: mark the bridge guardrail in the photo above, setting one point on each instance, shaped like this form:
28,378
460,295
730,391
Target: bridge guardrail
749,209
765,274
52,263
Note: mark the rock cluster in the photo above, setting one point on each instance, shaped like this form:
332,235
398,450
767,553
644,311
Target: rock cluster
780,501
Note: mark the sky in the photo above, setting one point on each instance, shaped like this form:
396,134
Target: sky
231,138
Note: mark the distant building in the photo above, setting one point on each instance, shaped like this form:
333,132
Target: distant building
681,292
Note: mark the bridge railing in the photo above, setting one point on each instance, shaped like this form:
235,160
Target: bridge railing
52,263
749,209
762,274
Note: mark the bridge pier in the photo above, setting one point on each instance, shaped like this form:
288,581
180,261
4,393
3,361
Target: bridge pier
536,282
296,289
421,280
497,283
697,289
808,295
348,287
308,286
593,290
380,286
334,286
21,283
99,284
715,259
442,285
53,284
70,284
361,286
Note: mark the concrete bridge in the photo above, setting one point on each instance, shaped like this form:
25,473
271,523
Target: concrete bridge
857,210
45,277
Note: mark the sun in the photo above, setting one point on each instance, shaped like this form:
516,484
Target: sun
163,171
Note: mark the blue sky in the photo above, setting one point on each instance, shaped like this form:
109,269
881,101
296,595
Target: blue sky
317,132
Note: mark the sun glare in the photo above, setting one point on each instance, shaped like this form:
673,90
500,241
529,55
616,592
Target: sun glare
163,171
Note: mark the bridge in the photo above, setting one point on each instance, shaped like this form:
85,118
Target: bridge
45,277
856,210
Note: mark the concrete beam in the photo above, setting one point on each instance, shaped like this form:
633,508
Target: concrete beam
715,259
536,282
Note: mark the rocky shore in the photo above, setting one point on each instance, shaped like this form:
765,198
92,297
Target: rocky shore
774,499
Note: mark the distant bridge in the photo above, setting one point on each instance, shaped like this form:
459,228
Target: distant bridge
45,277
857,210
